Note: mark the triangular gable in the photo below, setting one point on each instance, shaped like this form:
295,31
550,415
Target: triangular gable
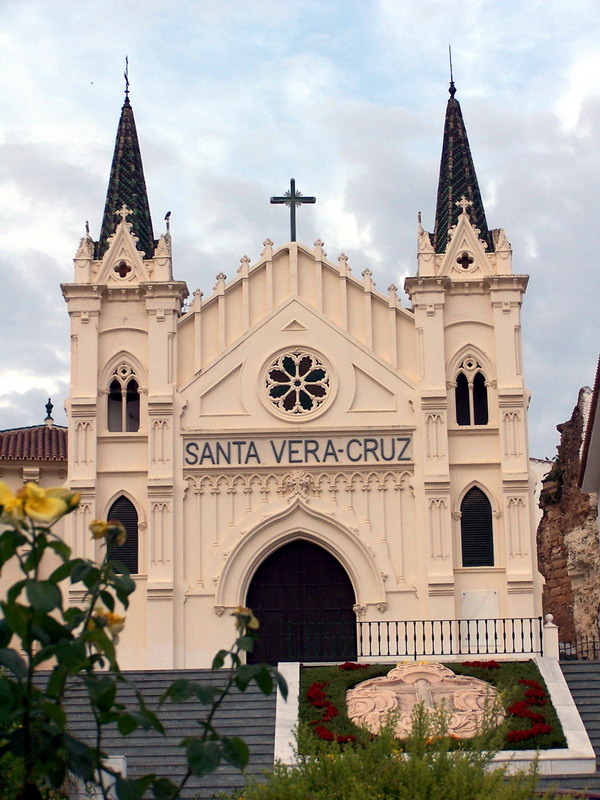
123,263
465,256
376,321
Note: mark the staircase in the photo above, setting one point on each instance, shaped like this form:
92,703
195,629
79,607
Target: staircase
250,715
583,679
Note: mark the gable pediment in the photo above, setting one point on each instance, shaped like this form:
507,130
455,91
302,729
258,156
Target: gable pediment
348,384
466,257
123,263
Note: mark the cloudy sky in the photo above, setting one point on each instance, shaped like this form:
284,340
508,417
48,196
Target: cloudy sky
232,98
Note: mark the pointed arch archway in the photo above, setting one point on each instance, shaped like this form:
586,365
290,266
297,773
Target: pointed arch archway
335,544
304,600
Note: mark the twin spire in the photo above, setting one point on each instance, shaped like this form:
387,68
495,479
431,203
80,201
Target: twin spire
126,186
457,179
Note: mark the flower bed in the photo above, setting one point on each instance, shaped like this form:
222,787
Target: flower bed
531,720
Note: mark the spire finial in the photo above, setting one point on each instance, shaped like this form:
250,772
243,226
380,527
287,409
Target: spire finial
49,418
126,76
452,88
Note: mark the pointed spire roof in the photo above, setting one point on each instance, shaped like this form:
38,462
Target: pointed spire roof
457,178
127,186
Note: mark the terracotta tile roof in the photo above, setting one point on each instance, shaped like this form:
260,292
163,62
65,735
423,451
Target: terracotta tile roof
36,443
590,424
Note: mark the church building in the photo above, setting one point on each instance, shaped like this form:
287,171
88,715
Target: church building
296,441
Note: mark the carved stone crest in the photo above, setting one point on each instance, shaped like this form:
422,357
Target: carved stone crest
298,483
466,700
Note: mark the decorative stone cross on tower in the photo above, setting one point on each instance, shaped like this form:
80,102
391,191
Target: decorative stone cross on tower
292,198
464,203
123,212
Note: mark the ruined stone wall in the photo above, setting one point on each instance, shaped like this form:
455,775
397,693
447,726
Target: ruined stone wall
567,537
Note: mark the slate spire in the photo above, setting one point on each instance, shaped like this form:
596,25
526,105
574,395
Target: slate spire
457,178
126,186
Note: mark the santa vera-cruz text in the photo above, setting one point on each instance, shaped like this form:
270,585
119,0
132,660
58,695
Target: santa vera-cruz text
287,452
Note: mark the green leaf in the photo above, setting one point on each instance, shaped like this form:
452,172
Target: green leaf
235,751
132,788
264,680
179,691
61,572
71,654
79,569
10,659
163,789
10,541
108,600
5,633
56,682
14,591
102,692
152,721
54,712
44,596
82,759
203,757
127,724
281,683
219,659
245,674
60,548
246,643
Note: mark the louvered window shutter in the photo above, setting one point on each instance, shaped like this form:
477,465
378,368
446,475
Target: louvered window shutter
476,530
124,511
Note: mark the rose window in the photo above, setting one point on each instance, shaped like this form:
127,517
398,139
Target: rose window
297,382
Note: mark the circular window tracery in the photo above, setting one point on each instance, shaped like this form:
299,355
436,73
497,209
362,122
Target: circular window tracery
297,382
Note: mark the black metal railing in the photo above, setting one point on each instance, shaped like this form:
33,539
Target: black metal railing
582,648
450,637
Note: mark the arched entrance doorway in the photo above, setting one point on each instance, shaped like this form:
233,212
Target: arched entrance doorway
303,598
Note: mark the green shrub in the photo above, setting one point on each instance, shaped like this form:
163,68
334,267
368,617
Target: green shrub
427,766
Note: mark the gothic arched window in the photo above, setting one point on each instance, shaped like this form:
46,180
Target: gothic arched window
126,554
476,530
123,401
471,395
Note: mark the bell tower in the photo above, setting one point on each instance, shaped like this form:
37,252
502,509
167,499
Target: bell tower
473,401
124,305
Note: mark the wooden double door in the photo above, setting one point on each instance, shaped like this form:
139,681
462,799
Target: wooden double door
303,599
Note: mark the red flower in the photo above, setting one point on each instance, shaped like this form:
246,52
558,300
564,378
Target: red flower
343,739
330,713
352,665
321,731
482,664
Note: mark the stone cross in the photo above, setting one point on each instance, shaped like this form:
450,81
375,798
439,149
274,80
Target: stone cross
464,203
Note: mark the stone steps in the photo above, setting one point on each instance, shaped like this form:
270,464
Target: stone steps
250,715
583,680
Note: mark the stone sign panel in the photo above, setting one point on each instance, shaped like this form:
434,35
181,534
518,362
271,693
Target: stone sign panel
279,451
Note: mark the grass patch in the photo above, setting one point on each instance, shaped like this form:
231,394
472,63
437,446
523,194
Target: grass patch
331,715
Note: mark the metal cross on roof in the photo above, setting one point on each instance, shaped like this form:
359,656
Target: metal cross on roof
292,198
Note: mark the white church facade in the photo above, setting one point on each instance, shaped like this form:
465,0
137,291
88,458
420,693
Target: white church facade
297,441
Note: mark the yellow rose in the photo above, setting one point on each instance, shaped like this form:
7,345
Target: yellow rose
98,527
116,532
70,498
9,502
245,616
114,623
41,505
